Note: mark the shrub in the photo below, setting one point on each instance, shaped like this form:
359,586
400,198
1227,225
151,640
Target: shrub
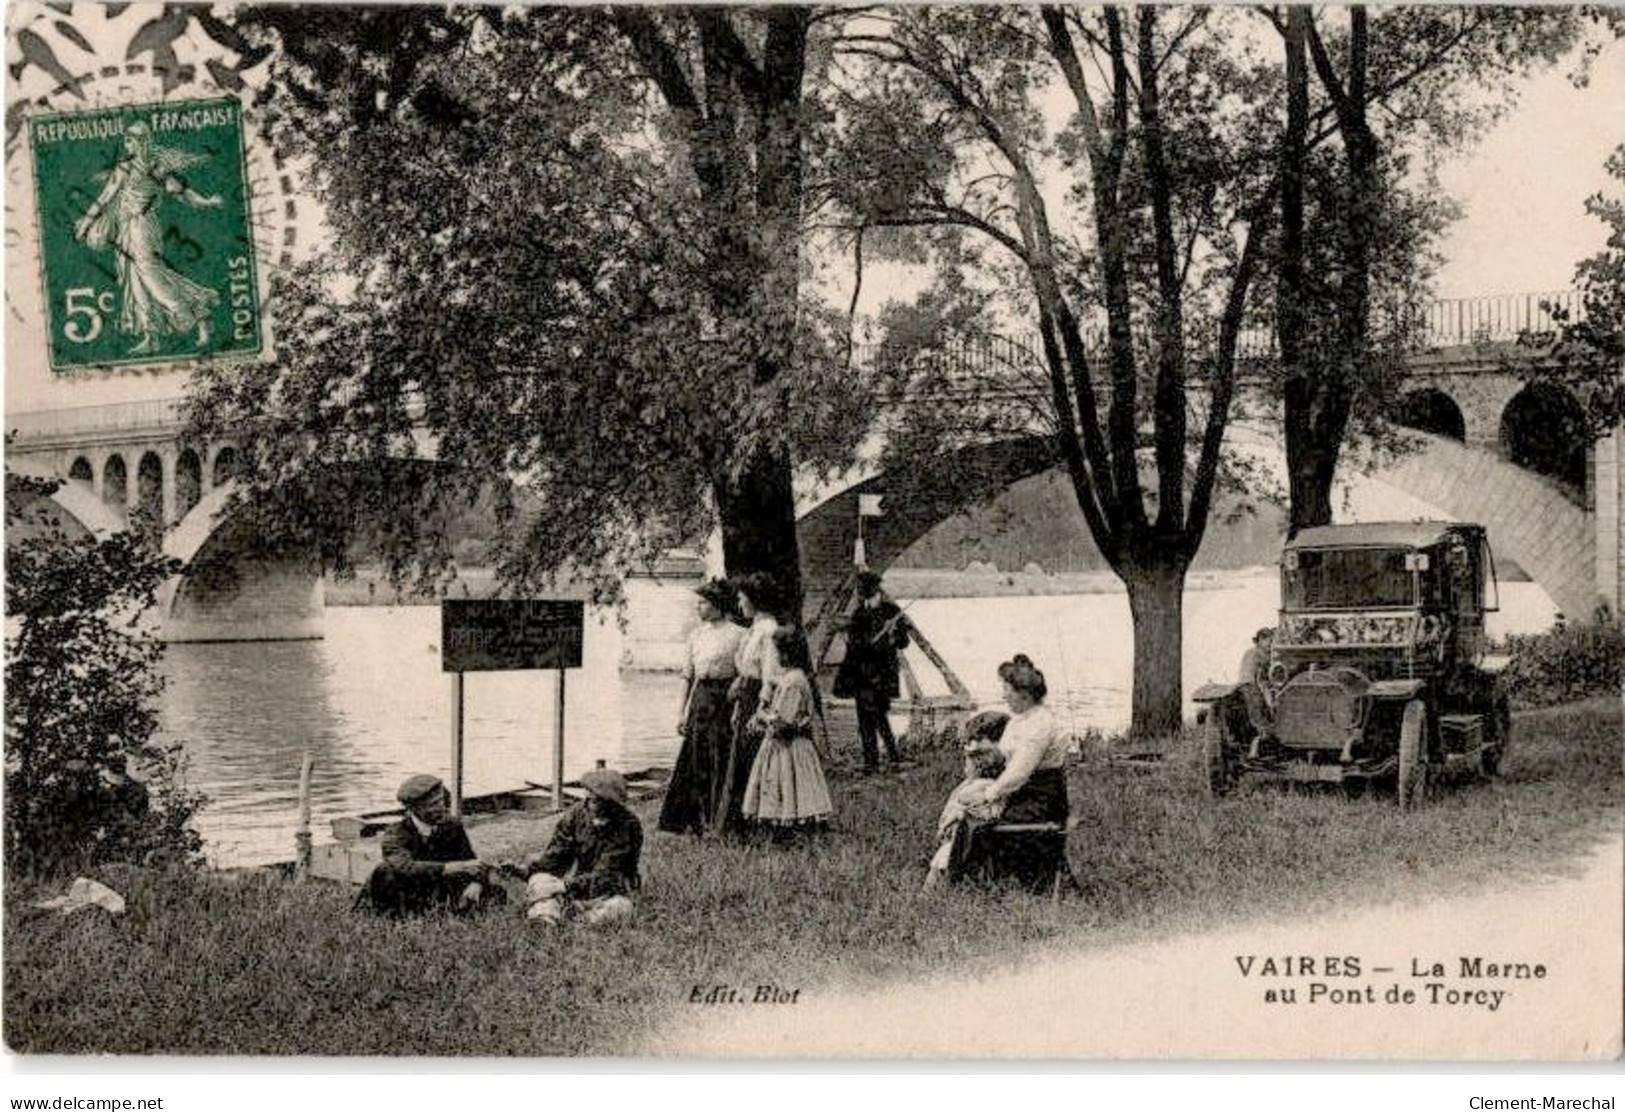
81,684
1570,662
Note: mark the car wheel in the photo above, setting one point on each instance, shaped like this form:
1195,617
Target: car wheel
1221,775
1492,759
1413,755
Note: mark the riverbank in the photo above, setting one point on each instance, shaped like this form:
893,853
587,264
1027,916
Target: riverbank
202,964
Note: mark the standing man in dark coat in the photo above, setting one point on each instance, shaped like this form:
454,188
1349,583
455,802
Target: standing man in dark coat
875,633
428,859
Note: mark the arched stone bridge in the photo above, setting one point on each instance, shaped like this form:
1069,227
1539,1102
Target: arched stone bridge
1495,450
125,466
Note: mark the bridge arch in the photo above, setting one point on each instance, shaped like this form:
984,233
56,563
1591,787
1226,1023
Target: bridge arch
82,471
1528,518
148,511
115,482
223,467
912,504
78,508
238,583
271,595
188,482
1429,409
1543,429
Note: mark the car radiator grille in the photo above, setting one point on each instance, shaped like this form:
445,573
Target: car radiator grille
1315,714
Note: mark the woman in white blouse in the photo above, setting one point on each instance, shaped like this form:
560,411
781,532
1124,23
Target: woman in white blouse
697,789
757,666
1032,786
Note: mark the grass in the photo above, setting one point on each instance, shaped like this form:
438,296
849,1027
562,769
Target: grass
201,964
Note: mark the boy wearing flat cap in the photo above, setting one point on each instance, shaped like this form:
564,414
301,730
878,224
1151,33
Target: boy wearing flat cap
428,859
601,840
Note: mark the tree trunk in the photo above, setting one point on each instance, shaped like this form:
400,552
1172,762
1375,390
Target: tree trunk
1156,599
1318,406
758,517
1311,468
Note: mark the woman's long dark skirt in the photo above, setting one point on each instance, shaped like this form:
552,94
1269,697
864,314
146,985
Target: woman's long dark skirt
730,817
697,789
1041,799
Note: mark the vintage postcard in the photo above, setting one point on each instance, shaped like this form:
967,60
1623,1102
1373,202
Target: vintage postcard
936,532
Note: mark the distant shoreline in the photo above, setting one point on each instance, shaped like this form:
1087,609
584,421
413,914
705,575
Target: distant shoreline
369,587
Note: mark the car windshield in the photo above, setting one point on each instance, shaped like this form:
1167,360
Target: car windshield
1346,578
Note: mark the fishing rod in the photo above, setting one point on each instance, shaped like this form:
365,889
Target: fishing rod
891,623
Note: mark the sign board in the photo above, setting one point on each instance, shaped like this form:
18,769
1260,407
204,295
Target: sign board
145,237
508,635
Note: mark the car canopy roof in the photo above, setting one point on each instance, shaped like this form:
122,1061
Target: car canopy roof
1378,534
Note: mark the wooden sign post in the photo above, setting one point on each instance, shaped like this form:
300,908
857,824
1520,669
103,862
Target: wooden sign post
508,635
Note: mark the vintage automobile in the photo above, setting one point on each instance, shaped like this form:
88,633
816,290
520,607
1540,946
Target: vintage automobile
1377,669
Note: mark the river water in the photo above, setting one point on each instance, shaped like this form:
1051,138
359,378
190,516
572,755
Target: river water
372,705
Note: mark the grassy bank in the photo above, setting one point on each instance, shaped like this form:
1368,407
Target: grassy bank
203,965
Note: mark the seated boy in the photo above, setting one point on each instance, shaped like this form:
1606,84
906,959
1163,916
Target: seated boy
601,840
968,802
983,764
428,859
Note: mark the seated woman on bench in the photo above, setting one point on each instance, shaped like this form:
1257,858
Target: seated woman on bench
1030,789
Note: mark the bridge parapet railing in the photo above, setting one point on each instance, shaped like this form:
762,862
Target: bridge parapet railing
1472,320
84,420
1443,323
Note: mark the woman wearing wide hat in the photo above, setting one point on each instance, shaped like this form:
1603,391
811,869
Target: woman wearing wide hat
751,694
697,789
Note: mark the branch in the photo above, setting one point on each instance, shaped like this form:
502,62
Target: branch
1091,474
1066,55
857,288
1168,398
1197,18
942,215
1329,80
658,57
718,35
1224,372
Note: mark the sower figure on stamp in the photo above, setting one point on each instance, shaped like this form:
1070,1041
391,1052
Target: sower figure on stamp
875,633
158,301
601,840
428,860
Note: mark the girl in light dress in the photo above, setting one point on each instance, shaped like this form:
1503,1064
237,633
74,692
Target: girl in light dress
787,786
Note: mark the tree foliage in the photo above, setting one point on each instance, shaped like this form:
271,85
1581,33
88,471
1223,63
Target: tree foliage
540,276
81,688
1585,354
1131,225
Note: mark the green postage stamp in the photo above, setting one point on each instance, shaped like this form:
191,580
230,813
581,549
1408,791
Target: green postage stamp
146,247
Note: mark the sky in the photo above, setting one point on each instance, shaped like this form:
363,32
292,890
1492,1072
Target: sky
1522,192
1524,187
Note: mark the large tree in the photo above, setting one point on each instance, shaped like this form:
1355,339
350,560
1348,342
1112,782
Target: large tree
566,244
1138,214
1390,92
